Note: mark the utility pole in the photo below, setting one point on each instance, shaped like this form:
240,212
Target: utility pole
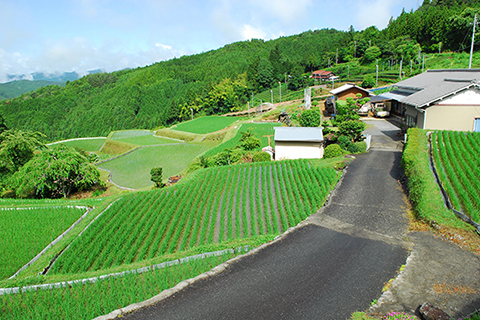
473,40
280,90
336,57
355,50
376,80
253,106
411,67
423,62
400,74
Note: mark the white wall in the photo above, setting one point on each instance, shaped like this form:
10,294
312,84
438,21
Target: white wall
298,150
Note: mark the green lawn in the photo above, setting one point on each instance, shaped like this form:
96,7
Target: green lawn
259,130
90,144
141,138
133,170
207,124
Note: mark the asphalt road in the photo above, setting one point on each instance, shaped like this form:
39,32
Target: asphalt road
336,263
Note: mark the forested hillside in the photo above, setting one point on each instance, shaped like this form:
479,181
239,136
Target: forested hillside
222,80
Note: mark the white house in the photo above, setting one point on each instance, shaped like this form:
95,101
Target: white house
298,143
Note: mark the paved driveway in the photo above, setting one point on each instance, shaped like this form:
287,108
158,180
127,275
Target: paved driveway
333,264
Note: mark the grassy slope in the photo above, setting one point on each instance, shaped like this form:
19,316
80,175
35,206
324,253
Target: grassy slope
424,193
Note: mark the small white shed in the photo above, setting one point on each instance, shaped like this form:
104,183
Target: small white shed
298,143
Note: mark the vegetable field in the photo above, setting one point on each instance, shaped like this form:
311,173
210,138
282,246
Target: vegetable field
133,170
222,204
140,138
207,124
259,131
92,300
457,159
27,231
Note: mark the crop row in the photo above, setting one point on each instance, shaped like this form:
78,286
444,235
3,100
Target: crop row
92,300
222,204
24,233
456,157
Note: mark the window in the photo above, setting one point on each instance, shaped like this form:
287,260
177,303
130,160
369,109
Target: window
410,121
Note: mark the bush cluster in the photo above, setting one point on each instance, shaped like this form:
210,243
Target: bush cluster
332,151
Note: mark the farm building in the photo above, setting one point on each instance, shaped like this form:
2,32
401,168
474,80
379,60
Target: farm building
438,100
350,90
322,75
298,143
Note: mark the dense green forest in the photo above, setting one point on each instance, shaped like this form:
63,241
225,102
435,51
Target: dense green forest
223,80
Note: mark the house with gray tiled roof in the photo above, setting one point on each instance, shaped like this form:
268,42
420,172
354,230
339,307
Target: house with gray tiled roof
439,100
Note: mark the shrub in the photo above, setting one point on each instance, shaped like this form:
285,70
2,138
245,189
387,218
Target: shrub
310,118
156,177
352,129
361,145
261,156
332,151
345,142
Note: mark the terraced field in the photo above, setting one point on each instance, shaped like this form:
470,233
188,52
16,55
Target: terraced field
456,156
260,130
141,138
87,144
206,124
221,204
133,170
26,231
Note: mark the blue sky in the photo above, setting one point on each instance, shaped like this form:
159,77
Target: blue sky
80,35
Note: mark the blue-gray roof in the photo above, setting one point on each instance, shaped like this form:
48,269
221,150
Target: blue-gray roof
434,85
298,134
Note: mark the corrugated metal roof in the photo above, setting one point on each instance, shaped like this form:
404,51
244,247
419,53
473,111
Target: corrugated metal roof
434,85
298,134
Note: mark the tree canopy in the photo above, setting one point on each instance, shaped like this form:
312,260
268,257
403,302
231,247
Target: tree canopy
54,173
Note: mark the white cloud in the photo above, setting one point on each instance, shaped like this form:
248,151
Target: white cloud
250,32
80,55
163,46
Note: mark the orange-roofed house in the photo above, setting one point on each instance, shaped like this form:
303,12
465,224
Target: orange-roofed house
322,74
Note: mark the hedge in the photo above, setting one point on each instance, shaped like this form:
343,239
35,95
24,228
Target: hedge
424,192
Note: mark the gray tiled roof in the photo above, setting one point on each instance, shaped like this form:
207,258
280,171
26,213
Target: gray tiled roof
298,134
434,85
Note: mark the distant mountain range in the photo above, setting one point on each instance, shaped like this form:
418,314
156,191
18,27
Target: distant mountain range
23,83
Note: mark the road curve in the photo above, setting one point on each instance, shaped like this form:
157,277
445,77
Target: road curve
330,266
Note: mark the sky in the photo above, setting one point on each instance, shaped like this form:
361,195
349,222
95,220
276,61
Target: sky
55,36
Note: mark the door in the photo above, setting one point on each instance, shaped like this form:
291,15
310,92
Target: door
476,125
